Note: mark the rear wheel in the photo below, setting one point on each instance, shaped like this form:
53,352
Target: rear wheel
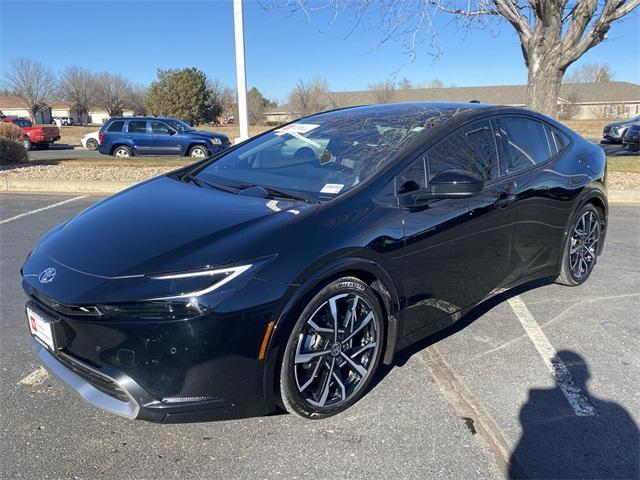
333,350
91,144
122,152
26,143
581,248
198,151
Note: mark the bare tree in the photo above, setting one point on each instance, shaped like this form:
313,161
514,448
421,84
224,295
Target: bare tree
112,92
435,83
383,92
309,96
32,82
553,34
590,73
137,99
405,84
77,86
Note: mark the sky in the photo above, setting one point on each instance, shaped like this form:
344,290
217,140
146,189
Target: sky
136,37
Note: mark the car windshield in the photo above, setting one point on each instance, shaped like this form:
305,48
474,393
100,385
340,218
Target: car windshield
21,122
326,154
179,125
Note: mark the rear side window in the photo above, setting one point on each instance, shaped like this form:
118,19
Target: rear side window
116,126
471,148
562,141
137,126
527,143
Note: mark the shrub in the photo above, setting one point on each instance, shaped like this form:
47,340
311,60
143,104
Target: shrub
11,150
10,131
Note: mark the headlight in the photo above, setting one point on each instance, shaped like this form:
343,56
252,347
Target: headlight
215,278
154,310
216,141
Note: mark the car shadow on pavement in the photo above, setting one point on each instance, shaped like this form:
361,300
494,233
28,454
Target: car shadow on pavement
556,443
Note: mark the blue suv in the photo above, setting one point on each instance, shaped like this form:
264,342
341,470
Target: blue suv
129,136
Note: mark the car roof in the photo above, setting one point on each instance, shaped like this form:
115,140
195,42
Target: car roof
143,118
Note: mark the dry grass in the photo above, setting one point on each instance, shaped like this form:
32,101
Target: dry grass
108,161
72,135
591,129
628,164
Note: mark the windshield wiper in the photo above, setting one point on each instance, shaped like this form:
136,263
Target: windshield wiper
274,192
188,177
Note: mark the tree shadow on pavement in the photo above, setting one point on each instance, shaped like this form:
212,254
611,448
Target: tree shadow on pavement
558,444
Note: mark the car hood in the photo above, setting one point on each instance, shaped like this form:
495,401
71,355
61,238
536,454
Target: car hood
165,225
208,134
620,123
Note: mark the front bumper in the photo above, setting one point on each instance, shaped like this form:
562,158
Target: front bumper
116,393
91,384
204,368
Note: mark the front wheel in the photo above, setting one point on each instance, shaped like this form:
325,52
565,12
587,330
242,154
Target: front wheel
26,143
198,151
581,248
333,350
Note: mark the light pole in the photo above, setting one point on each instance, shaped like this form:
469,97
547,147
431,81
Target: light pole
238,28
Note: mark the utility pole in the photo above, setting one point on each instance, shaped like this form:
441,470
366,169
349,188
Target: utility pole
238,28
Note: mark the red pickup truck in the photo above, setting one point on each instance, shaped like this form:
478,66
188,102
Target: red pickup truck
34,137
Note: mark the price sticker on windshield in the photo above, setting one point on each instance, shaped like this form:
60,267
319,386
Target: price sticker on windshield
295,128
332,188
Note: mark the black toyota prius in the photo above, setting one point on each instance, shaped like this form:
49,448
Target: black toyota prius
284,270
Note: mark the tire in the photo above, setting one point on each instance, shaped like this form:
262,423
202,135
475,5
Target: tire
26,143
91,144
122,151
581,246
304,389
198,151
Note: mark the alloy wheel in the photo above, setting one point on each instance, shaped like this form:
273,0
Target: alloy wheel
336,350
584,244
122,153
198,152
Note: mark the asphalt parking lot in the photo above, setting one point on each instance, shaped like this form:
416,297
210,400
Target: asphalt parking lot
63,152
477,401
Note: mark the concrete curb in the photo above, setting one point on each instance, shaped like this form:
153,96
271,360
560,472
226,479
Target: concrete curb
103,187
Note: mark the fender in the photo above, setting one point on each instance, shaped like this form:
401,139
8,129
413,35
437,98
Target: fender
383,285
595,190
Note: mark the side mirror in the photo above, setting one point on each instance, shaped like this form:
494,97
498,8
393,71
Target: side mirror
171,131
447,184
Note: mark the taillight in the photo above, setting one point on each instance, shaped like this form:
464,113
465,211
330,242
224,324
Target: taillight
100,137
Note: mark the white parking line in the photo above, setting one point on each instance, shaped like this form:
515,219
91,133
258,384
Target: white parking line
38,210
574,394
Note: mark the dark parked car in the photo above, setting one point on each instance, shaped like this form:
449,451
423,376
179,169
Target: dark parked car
128,136
614,131
284,270
631,139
